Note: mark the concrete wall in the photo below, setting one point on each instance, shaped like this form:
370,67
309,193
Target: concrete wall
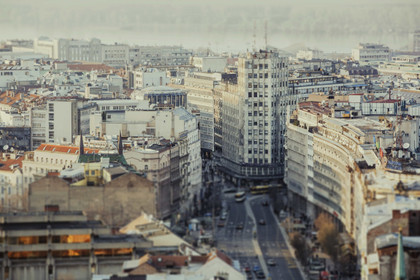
116,203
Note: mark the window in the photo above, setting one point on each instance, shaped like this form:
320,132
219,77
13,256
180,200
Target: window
146,167
249,94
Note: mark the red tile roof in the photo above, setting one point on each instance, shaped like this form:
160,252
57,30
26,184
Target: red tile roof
220,255
6,164
64,149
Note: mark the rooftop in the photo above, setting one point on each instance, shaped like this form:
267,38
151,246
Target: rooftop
64,149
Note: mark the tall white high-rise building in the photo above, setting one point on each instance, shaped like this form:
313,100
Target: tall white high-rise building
253,118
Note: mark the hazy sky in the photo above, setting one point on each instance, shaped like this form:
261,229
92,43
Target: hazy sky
219,24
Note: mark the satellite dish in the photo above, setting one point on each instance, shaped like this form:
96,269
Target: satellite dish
5,147
406,145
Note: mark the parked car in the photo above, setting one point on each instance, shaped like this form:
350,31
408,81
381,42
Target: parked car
221,224
264,203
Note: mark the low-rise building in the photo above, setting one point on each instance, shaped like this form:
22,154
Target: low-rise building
59,245
13,196
215,265
49,158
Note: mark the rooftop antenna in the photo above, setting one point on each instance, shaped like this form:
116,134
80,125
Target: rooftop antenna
254,44
265,34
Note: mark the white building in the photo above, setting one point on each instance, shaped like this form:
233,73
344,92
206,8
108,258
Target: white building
200,102
39,125
254,118
209,64
146,77
49,158
115,55
371,52
45,45
159,55
19,75
73,50
309,54
62,121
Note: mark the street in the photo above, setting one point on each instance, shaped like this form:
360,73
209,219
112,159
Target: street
272,243
238,243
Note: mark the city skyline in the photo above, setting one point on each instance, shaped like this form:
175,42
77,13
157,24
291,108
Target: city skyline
325,25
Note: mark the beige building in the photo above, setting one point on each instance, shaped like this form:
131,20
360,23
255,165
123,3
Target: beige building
345,166
160,163
12,194
49,158
116,202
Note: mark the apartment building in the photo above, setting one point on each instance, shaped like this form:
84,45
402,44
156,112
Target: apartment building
49,158
12,195
344,167
159,55
160,163
253,118
200,92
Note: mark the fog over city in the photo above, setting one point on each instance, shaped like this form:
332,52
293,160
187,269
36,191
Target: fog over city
220,25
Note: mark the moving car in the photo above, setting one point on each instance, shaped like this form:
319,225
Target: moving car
271,262
240,226
261,222
264,203
260,274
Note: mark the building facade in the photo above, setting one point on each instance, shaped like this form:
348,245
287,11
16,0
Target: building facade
371,52
253,118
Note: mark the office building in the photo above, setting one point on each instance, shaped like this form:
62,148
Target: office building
370,53
253,118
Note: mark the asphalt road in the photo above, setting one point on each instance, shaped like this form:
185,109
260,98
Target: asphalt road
235,242
272,243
